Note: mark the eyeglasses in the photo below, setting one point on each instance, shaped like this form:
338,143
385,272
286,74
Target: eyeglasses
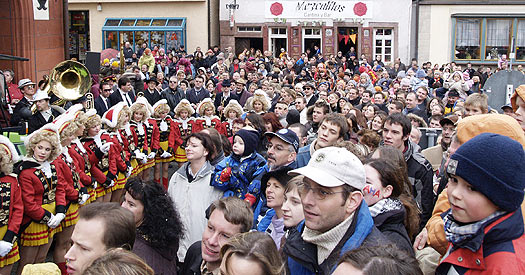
307,88
277,147
173,81
107,90
319,193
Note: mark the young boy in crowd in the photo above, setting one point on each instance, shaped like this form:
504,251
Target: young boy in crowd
451,99
476,104
484,226
239,174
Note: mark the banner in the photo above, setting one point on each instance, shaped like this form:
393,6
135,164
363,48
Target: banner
308,9
41,9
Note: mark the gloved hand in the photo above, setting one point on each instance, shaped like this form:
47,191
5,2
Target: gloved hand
129,171
105,147
250,198
56,220
225,174
108,183
94,183
151,155
82,198
139,155
166,155
5,247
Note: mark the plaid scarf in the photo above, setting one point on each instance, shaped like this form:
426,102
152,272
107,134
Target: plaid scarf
459,234
385,205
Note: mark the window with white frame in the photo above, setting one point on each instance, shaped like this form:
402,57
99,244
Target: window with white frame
468,44
520,42
384,44
312,38
278,40
498,38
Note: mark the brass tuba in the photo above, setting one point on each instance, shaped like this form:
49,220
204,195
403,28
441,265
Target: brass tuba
69,80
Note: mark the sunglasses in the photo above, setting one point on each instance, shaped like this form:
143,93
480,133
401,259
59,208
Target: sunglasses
107,90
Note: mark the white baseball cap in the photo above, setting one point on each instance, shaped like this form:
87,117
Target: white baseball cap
332,167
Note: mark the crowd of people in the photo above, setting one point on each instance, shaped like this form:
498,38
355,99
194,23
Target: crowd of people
283,166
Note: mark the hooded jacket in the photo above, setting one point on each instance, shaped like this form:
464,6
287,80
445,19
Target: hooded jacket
502,249
191,199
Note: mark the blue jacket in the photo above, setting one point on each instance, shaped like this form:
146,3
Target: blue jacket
502,249
245,175
302,256
303,156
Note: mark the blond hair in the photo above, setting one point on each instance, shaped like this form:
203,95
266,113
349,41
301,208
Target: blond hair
6,165
162,108
478,100
92,122
49,136
134,109
69,131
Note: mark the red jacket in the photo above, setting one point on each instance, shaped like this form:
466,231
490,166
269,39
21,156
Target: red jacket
200,124
38,190
153,135
11,202
67,174
81,159
179,134
502,249
106,163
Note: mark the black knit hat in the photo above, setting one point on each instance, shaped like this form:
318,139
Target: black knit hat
251,140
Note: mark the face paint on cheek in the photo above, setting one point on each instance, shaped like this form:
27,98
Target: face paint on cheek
370,190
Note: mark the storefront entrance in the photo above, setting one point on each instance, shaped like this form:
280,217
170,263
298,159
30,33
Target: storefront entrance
248,43
79,34
347,39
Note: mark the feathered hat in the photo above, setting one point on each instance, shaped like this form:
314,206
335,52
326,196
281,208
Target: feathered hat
233,105
159,103
110,117
50,127
9,149
262,97
143,101
184,105
202,106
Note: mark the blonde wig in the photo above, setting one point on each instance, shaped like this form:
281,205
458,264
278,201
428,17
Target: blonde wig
49,136
135,108
93,121
69,130
126,110
6,165
162,108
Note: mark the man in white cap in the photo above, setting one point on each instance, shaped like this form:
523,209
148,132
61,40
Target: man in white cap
22,111
44,112
336,216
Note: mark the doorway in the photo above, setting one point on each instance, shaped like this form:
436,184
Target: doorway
311,40
79,34
248,43
347,39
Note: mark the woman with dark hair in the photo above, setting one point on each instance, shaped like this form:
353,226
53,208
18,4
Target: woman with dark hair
190,189
394,212
271,122
251,253
392,154
159,228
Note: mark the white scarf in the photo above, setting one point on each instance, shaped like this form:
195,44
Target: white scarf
163,126
80,145
327,241
140,128
46,168
65,152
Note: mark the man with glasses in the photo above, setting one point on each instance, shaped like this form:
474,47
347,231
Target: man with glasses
337,218
172,94
22,111
282,149
309,94
102,103
197,93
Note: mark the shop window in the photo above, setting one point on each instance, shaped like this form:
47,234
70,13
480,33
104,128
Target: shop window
249,29
520,41
384,43
312,40
167,33
278,40
111,39
311,31
498,31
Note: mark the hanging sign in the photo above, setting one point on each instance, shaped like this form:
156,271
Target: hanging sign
310,9
41,9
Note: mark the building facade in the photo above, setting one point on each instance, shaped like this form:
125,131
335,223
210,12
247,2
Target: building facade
369,27
97,25
479,32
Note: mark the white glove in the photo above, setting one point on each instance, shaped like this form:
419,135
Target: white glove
112,184
95,185
144,160
129,171
5,247
165,155
83,199
56,220
151,155
105,147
